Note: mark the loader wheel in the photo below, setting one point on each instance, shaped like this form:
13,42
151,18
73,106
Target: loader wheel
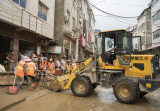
126,91
142,93
94,86
81,86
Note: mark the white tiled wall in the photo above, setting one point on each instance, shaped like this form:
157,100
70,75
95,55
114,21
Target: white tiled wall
28,17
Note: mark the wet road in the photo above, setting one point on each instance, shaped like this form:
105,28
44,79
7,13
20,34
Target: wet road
99,100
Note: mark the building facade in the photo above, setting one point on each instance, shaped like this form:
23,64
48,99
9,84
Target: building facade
72,28
155,13
26,25
144,28
98,42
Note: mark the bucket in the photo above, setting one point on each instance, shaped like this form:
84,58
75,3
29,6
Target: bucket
59,83
57,72
12,89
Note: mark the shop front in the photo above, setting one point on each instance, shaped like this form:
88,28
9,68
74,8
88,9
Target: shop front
27,47
5,47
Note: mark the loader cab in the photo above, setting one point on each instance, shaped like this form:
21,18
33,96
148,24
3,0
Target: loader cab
123,44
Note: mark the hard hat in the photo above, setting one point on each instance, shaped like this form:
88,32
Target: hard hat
50,59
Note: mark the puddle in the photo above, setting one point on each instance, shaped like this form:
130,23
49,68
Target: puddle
106,95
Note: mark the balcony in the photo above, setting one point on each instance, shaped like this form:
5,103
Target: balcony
12,14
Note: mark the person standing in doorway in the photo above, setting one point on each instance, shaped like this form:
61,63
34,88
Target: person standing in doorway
10,58
23,56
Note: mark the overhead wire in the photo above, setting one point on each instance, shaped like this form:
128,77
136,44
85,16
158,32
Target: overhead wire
109,13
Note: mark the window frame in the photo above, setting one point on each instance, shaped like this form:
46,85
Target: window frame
68,15
73,23
42,8
74,3
19,3
156,34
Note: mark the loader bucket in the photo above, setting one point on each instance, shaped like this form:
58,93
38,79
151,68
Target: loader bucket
58,83
64,82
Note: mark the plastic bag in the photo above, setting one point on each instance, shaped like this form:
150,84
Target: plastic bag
2,69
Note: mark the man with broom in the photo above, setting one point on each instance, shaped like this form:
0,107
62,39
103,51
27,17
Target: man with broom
20,69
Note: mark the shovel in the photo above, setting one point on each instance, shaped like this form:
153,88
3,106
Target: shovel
33,84
13,89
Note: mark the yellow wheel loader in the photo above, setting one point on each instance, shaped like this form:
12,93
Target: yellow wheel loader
131,74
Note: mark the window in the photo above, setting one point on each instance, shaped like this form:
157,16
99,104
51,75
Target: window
141,17
136,46
156,34
68,14
73,24
42,12
154,2
22,3
156,16
141,28
74,3
140,66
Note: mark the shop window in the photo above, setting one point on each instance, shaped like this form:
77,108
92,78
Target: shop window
22,3
42,12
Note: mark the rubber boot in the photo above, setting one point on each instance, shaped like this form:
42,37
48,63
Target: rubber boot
19,88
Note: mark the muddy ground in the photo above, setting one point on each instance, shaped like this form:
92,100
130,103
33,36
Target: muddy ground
99,100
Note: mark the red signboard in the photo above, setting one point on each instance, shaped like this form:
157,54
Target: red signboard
81,41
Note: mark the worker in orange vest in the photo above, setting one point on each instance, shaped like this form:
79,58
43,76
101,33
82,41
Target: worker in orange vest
43,66
51,66
30,69
20,69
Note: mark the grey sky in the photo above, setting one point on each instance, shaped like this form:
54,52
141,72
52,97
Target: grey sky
127,8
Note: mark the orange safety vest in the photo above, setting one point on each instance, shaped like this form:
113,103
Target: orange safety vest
43,64
51,67
30,69
20,69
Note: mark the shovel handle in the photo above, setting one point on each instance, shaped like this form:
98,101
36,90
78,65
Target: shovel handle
28,79
14,79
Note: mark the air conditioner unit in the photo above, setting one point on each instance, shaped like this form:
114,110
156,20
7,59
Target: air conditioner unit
66,19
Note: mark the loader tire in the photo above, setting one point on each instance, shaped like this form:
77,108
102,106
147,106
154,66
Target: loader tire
81,86
142,93
94,86
126,91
